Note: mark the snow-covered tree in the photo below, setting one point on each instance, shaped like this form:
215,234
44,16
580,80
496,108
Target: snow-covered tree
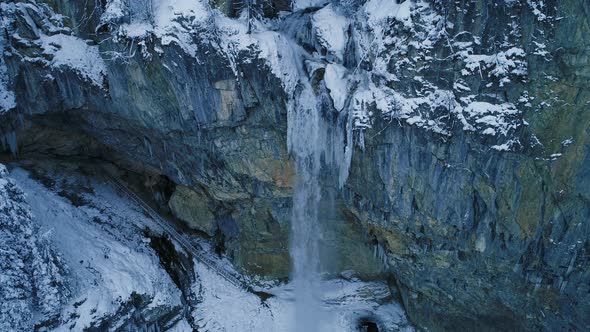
16,291
252,10
49,283
31,273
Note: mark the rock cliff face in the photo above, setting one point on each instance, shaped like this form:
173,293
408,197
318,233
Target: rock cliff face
469,121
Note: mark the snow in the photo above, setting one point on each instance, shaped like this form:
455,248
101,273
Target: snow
495,118
7,96
226,308
537,6
282,57
540,49
390,32
136,30
502,147
74,53
114,11
460,86
103,245
172,21
47,41
32,282
331,30
361,100
500,65
383,10
15,236
337,84
191,24
167,12
303,4
109,258
280,53
567,142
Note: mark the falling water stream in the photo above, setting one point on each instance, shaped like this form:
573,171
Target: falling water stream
304,143
320,140
312,141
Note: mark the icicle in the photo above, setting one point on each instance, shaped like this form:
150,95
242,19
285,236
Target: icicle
361,141
344,165
380,253
9,139
148,146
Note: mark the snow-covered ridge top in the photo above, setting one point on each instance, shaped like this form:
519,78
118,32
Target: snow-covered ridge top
177,20
51,44
194,26
388,31
167,11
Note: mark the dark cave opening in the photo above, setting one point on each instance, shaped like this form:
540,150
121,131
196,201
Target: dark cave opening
366,324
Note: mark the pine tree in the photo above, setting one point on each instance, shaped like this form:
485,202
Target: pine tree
32,275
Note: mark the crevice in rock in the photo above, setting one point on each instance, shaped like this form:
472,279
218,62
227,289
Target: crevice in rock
180,267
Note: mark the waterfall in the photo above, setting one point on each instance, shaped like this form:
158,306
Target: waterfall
305,145
320,140
313,141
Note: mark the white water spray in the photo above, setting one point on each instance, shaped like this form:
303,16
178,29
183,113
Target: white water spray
303,141
311,140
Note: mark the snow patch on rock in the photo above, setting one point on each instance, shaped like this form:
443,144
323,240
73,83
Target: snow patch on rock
383,10
331,30
74,53
337,84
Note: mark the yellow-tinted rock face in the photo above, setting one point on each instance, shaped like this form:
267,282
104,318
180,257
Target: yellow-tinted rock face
191,207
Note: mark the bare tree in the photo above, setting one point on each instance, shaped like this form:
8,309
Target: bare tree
253,10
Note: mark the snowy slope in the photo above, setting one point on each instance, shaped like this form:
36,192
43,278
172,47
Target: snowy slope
103,245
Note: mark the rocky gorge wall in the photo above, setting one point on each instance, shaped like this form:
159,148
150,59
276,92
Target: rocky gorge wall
485,239
479,230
